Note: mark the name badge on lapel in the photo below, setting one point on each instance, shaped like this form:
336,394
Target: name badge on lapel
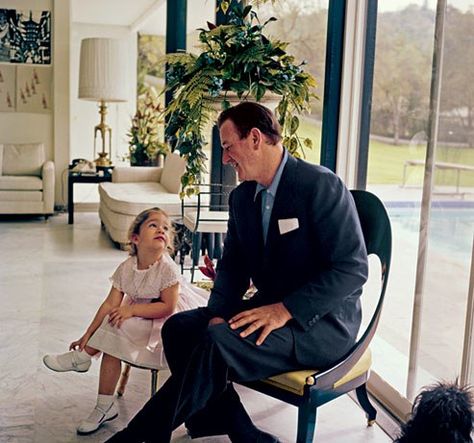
286,225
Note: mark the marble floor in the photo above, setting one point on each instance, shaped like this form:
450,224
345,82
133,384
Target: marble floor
53,276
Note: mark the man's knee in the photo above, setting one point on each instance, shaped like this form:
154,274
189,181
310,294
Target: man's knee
170,326
184,326
221,333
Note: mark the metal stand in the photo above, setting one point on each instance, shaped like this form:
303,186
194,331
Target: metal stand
104,129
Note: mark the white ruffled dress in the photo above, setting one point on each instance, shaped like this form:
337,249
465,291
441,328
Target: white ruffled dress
138,340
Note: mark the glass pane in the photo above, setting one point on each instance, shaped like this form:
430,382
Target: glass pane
396,168
198,14
151,42
452,213
404,46
304,25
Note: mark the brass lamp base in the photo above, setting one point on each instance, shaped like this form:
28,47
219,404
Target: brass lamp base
102,160
103,129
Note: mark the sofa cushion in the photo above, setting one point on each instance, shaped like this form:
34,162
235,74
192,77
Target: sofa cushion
136,174
132,198
20,183
21,196
23,159
172,172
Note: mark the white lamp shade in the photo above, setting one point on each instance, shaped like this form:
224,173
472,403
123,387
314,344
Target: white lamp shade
102,71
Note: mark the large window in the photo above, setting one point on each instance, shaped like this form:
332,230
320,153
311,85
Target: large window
452,213
304,25
396,169
200,12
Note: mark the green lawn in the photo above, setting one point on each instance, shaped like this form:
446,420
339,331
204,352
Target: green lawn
386,161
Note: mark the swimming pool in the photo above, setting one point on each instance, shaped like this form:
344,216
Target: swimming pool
451,227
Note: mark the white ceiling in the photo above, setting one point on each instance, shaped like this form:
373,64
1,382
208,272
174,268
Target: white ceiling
146,16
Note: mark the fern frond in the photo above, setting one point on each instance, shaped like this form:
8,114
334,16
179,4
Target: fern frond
253,54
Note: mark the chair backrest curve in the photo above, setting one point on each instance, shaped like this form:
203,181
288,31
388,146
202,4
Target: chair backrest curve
378,240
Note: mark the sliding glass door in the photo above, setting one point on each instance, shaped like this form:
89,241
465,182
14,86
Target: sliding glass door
432,340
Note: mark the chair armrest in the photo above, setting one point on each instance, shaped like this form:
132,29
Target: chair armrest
47,175
129,174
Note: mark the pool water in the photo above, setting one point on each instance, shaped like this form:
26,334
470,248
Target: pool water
451,230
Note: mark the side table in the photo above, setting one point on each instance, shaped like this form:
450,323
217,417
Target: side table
81,177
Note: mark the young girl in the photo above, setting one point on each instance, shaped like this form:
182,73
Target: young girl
130,328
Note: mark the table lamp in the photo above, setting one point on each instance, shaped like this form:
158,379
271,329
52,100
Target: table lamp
102,78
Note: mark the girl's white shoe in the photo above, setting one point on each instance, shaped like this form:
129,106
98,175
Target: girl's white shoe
96,419
69,361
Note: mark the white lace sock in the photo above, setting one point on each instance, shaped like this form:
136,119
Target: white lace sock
104,401
82,356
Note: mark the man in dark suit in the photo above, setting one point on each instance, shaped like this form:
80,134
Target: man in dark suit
294,232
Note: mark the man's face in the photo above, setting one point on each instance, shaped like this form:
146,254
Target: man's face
239,153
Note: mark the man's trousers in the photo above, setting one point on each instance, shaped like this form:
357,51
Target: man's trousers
202,360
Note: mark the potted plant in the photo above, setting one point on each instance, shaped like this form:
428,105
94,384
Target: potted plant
145,146
237,59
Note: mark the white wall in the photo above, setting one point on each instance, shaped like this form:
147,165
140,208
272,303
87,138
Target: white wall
85,114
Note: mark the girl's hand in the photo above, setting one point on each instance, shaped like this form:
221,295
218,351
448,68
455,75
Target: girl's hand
118,315
79,344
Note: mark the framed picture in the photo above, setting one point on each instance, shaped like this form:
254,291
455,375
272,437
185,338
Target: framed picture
33,89
25,36
7,88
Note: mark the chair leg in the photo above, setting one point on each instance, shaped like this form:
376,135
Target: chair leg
204,242
217,246
123,380
306,423
154,381
364,401
196,247
210,245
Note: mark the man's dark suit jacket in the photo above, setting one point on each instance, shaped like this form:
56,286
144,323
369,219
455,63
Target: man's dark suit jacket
316,270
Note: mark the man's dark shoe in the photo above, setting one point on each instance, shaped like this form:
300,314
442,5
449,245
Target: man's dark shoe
197,430
265,437
206,423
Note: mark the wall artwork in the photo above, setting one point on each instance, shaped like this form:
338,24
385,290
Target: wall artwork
25,36
7,88
33,89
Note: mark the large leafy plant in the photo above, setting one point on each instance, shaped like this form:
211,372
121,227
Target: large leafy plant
236,59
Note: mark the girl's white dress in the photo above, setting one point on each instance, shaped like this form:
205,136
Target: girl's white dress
138,340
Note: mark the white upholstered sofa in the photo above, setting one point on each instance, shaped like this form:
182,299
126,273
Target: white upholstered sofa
26,180
134,189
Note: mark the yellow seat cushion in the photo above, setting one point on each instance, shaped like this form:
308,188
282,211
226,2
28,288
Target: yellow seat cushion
295,381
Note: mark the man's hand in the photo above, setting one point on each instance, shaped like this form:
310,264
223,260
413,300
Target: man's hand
118,315
268,317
